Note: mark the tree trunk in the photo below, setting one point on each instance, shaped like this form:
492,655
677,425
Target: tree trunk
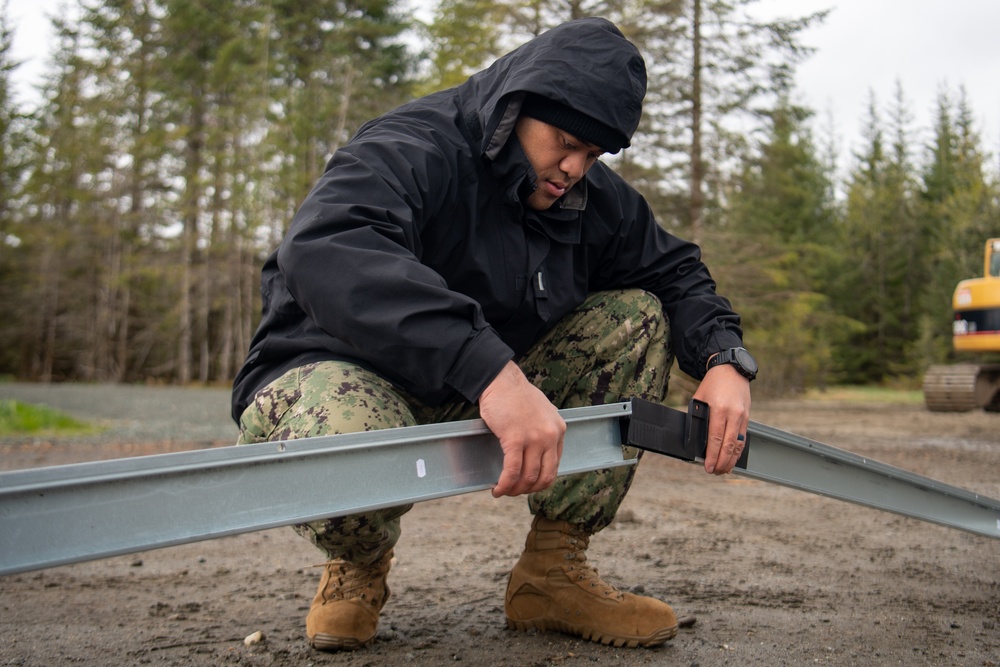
697,195
188,241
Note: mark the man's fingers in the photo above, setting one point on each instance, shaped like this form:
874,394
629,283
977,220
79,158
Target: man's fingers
530,430
732,448
713,450
509,476
549,470
724,451
522,473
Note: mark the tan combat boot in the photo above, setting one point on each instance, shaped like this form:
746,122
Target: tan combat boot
344,613
553,588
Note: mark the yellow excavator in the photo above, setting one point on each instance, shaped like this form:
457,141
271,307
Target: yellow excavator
975,329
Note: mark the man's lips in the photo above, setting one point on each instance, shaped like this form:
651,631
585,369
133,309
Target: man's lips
555,189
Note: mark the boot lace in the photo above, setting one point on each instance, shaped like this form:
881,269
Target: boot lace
347,581
581,571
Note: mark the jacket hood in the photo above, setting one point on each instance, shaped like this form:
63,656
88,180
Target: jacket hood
586,64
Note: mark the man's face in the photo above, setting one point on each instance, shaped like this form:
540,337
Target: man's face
559,159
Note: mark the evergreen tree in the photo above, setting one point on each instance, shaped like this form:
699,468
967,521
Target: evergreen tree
158,179
782,236
54,292
881,238
958,213
13,130
732,66
463,39
14,160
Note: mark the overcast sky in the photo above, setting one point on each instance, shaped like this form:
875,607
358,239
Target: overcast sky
863,46
927,46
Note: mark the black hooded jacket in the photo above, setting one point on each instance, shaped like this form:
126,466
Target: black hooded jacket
414,256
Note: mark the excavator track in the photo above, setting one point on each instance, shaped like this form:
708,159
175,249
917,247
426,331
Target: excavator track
962,387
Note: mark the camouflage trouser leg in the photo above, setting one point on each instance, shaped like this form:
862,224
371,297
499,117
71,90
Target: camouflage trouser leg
614,347
323,399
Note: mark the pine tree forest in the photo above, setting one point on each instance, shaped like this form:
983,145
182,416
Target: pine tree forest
175,139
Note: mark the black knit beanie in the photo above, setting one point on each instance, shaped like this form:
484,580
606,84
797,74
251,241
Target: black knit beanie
580,125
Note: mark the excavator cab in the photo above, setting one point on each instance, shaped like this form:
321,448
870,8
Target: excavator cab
975,329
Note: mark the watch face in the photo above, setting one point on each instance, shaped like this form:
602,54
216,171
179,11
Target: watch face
746,360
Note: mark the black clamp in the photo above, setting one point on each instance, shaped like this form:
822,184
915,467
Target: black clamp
681,435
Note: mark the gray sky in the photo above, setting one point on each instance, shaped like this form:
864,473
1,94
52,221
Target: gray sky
864,46
925,45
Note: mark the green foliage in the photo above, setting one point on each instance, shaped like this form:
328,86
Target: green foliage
175,139
18,418
463,40
958,212
867,395
783,226
880,232
911,236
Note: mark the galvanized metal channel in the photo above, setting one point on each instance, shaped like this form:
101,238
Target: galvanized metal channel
800,463
68,514
791,460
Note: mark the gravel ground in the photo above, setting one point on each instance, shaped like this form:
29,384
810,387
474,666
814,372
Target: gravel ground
774,576
133,419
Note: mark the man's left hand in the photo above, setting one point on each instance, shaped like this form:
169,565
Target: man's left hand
728,396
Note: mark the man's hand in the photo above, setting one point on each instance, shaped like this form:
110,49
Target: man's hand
728,396
530,430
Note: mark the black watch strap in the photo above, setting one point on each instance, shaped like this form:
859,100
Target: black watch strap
739,358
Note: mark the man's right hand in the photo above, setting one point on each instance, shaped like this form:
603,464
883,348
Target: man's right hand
530,430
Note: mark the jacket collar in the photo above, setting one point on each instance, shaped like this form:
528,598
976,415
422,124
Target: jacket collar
511,164
562,223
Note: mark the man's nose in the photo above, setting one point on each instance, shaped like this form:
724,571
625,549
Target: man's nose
574,165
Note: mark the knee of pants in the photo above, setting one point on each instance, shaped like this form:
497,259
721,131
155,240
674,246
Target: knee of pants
325,398
639,304
640,314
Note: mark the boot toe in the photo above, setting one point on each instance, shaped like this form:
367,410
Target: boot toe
341,625
655,621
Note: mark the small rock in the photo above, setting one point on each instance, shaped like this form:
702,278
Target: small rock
687,621
255,638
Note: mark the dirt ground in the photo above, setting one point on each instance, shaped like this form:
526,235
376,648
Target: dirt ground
774,576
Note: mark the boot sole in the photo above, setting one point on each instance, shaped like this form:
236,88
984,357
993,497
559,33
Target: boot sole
325,642
661,636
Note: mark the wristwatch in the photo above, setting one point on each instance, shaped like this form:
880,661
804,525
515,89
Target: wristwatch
740,358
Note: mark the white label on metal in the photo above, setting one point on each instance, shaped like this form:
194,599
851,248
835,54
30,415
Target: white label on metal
422,469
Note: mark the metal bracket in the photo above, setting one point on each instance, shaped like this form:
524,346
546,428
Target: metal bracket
682,435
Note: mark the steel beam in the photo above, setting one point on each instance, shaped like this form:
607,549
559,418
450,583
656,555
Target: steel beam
793,461
779,457
68,514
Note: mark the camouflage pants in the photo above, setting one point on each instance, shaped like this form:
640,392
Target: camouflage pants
613,347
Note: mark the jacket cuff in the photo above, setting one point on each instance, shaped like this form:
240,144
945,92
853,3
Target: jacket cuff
717,341
481,360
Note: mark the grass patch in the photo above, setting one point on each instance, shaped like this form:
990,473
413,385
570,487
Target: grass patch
18,418
863,394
